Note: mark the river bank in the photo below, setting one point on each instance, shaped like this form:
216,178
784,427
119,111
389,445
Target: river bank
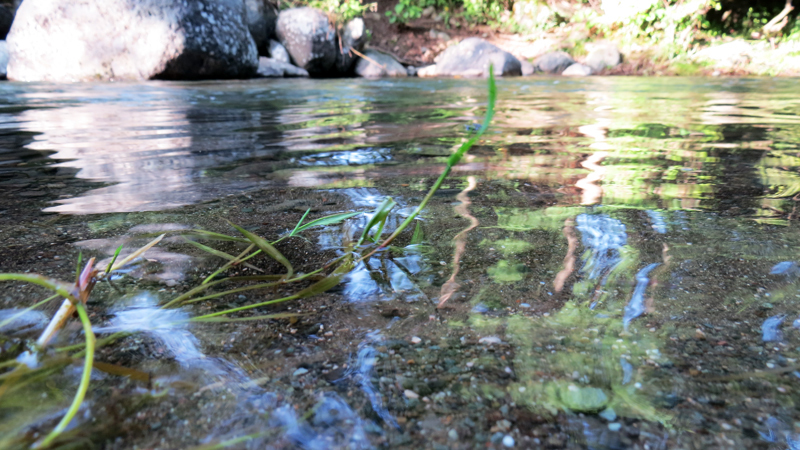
202,40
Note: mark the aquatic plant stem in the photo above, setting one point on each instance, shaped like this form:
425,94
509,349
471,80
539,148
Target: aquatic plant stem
85,378
451,162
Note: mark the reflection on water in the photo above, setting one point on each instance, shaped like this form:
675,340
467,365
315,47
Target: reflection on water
159,145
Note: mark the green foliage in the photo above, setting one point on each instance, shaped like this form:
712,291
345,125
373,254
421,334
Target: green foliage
341,10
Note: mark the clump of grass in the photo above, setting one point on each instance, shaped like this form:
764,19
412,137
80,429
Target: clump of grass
75,297
368,244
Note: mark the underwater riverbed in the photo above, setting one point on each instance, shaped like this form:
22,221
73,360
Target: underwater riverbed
614,265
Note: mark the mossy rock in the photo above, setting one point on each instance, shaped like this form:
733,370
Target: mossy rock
582,399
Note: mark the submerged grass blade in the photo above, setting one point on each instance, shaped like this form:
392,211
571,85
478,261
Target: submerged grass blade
237,260
85,378
246,319
378,218
323,221
267,248
220,254
113,259
219,236
320,286
136,254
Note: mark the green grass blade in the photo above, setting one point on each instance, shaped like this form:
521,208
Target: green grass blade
114,258
218,236
418,235
246,319
300,222
327,220
451,161
267,248
239,258
57,286
136,254
378,218
78,266
221,254
85,378
320,286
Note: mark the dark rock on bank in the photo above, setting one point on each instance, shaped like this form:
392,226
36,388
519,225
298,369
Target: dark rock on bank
379,65
6,18
262,18
354,35
273,68
553,62
3,59
65,40
471,58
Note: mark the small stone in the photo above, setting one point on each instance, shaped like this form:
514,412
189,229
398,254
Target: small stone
410,394
615,426
452,434
416,340
508,441
490,340
299,372
609,414
699,334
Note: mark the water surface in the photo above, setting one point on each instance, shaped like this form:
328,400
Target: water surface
615,262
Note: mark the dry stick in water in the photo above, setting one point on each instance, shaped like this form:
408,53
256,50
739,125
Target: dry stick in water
451,286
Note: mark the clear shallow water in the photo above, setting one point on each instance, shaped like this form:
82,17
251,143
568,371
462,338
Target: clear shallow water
626,275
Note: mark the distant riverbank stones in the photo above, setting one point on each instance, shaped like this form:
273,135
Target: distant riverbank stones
472,58
67,40
377,65
553,62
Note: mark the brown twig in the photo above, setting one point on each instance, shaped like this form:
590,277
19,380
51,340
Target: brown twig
368,58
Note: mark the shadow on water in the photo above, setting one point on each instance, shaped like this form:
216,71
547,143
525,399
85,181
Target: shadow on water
615,263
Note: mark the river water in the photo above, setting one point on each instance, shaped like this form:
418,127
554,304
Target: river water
614,265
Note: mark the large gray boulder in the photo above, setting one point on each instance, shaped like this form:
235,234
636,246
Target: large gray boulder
603,55
262,18
309,38
553,62
3,59
471,58
313,44
74,40
379,65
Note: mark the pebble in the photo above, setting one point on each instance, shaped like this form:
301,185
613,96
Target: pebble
614,426
490,340
699,334
299,372
508,441
410,394
453,435
416,340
